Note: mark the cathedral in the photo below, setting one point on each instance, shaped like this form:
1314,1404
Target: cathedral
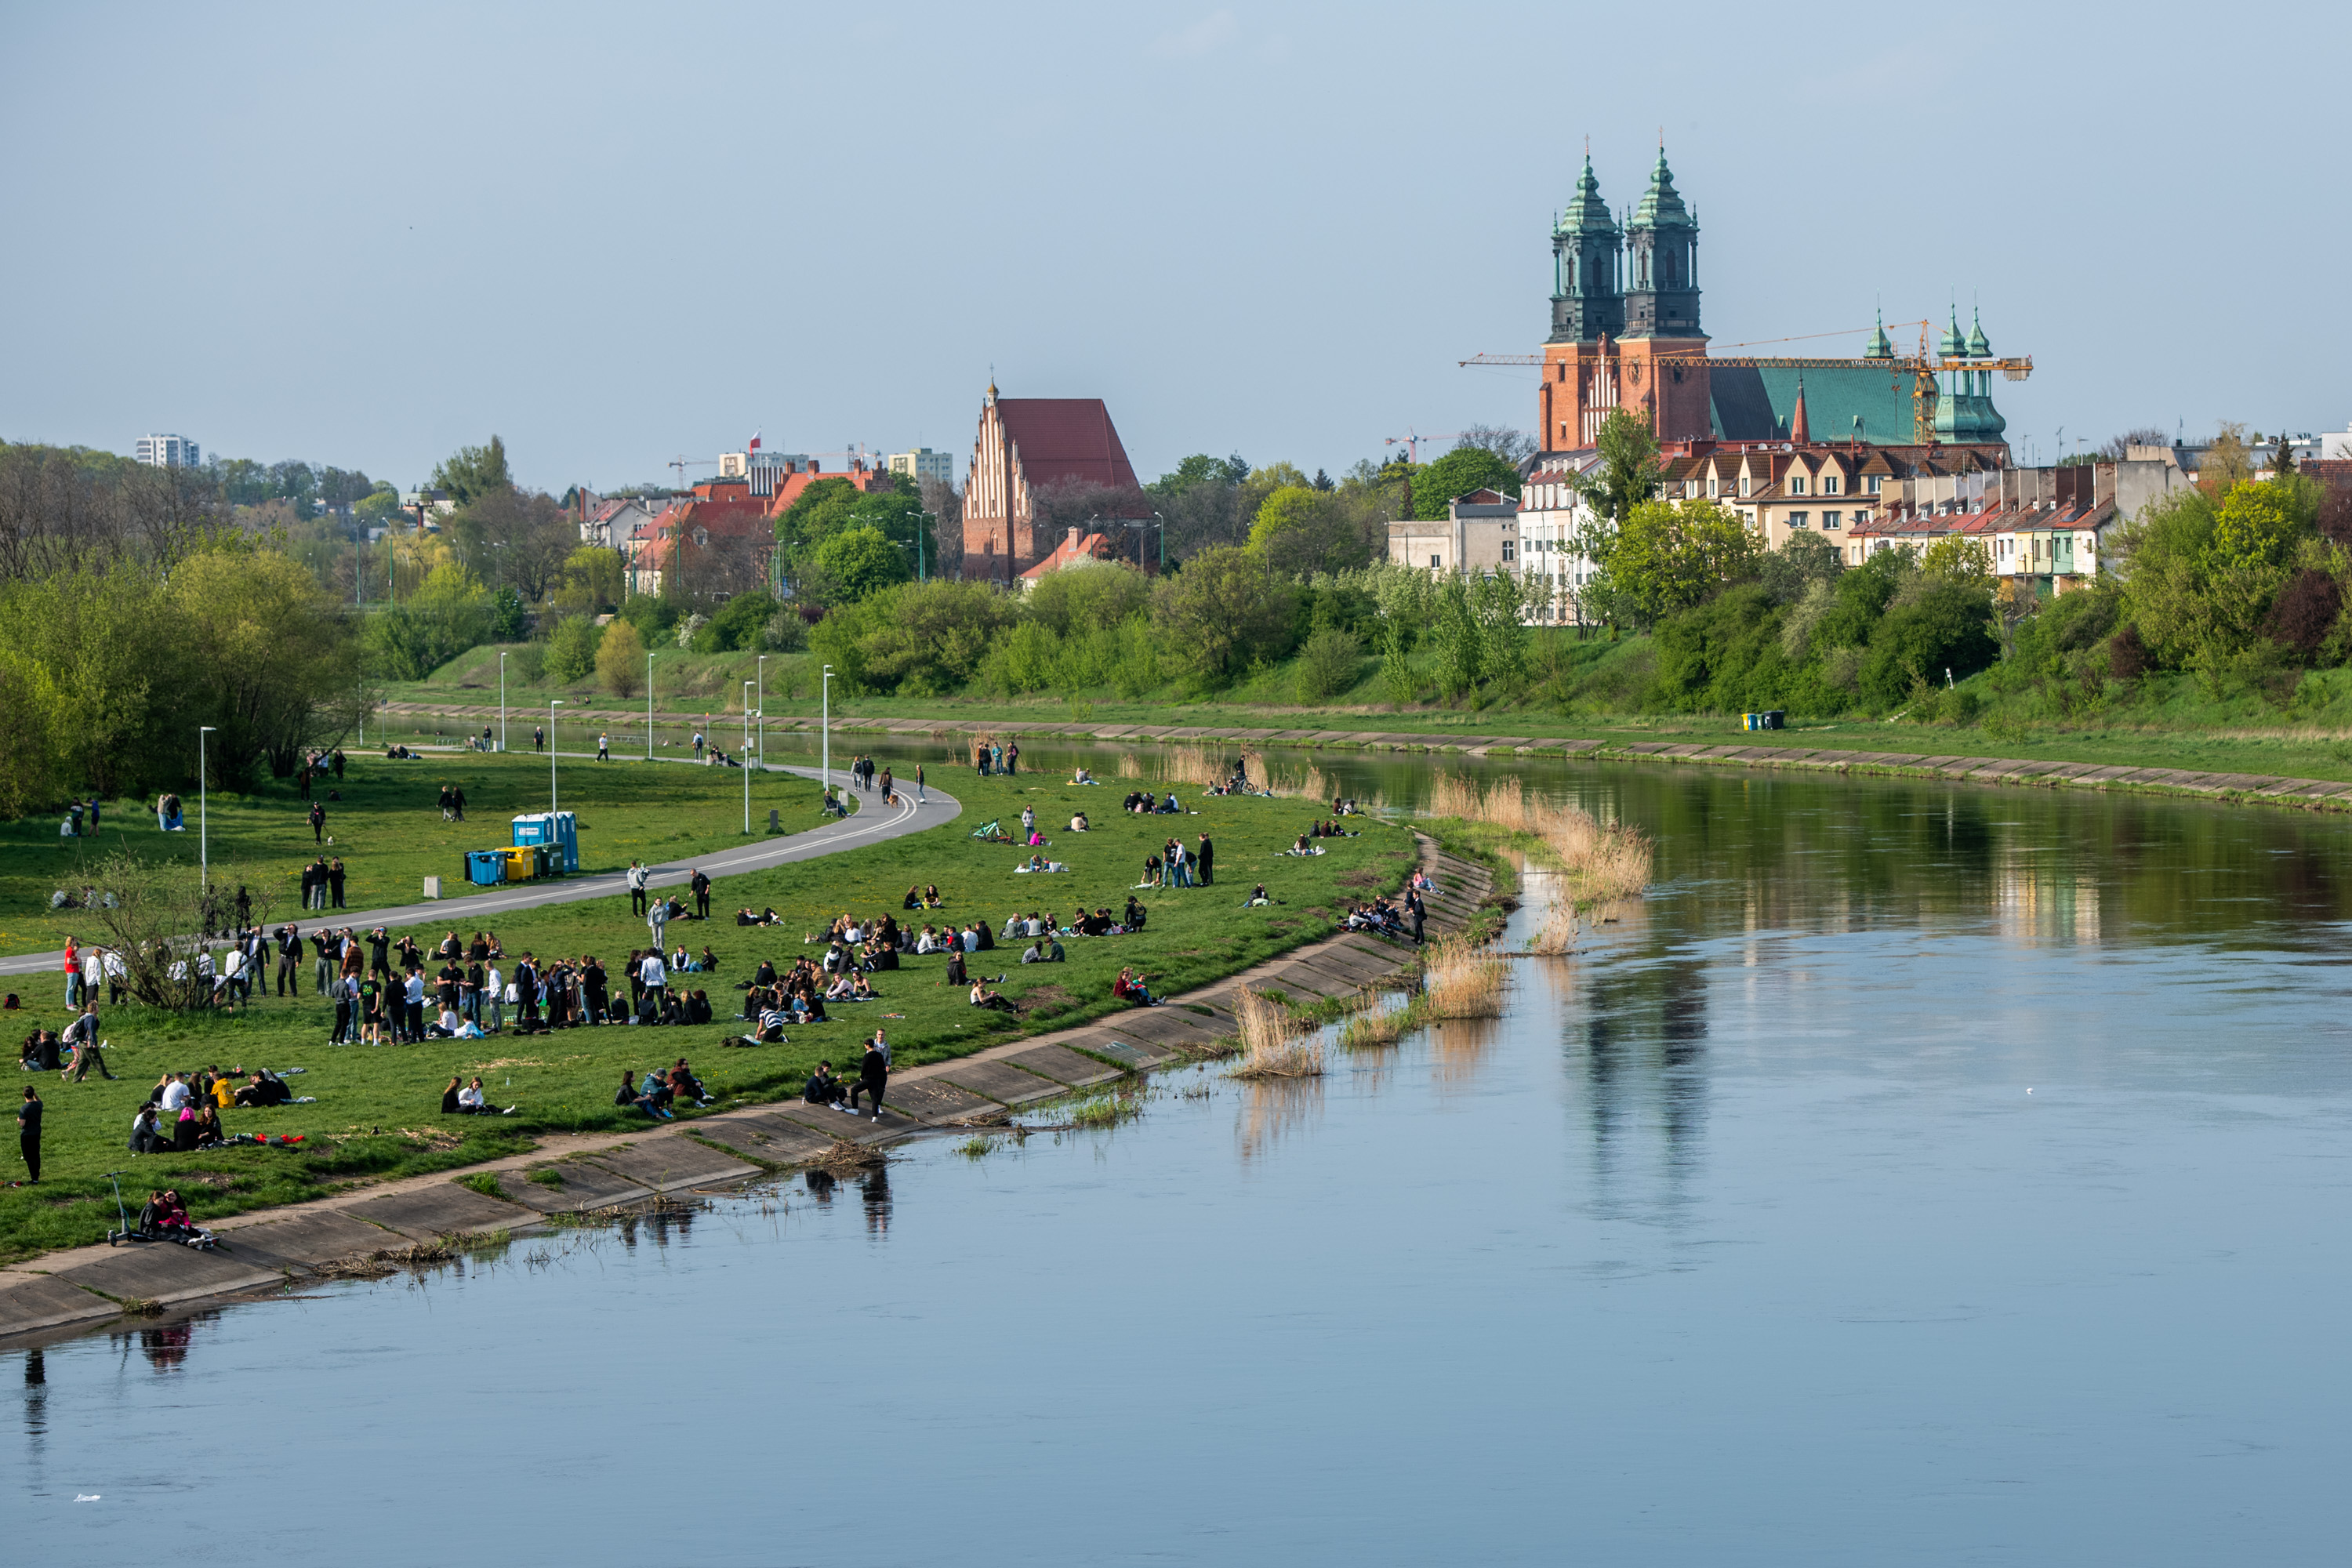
1625,333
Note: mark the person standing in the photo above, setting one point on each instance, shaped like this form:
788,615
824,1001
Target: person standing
539,737
309,884
28,1131
636,888
73,971
338,764
318,822
889,788
93,813
289,959
702,886
604,747
335,880
658,922
873,1077
1207,856
414,999
653,976
1012,758
918,783
322,950
1413,903
1028,822
82,1036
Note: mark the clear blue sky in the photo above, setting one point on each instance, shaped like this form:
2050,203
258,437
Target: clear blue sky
613,234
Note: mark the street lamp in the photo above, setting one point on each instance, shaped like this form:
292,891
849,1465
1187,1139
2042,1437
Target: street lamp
825,729
503,701
760,682
747,761
203,814
649,706
553,705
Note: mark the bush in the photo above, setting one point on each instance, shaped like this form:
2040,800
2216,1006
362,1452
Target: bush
1947,627
572,651
786,632
1328,665
2305,612
740,625
2127,657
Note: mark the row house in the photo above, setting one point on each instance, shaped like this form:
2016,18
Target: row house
2049,530
1553,515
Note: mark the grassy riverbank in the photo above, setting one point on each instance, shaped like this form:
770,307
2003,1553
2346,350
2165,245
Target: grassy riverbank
377,1110
388,831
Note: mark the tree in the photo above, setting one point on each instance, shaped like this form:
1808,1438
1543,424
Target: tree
450,613
517,539
1513,447
2229,461
1947,627
1200,469
1958,558
621,660
1096,598
1628,468
272,663
863,559
1666,556
571,649
1300,530
1457,474
1224,611
472,472
740,622
2115,448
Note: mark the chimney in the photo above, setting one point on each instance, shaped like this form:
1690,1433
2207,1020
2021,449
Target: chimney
1074,536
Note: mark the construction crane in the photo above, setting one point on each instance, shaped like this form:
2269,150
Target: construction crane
1922,368
1412,442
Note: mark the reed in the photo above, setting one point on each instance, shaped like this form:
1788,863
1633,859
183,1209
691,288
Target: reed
1599,861
1461,980
1202,765
1558,933
1130,766
1274,1044
1379,1026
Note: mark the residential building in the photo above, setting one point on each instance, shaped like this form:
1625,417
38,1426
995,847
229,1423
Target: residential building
922,464
2053,529
167,452
1626,333
1553,515
716,540
1025,445
1478,536
440,503
610,525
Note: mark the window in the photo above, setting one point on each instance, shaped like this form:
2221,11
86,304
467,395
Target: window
1507,550
1873,484
1713,488
1831,520
1796,519
1829,484
1432,563
1796,484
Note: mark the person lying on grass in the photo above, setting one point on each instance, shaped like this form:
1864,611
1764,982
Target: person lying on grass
1258,898
767,917
1039,863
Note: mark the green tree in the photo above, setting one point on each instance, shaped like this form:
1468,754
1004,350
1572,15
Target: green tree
739,624
1200,469
1458,473
1224,611
1948,627
1630,466
621,660
1327,664
571,649
863,559
1666,556
1300,530
472,472
1091,598
450,613
273,665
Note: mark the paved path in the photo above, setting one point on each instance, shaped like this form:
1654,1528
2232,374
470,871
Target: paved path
264,1253
872,823
2312,795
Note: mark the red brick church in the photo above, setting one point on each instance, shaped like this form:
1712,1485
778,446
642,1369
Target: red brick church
1026,445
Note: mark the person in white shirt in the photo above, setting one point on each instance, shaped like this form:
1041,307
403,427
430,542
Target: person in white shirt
652,976
970,939
414,1021
176,1095
496,985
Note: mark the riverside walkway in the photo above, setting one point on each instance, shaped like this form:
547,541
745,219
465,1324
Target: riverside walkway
267,1253
2314,794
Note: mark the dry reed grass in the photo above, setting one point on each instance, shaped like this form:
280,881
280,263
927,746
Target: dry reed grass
1461,980
1202,765
1130,766
1274,1044
1598,861
1378,1027
1558,933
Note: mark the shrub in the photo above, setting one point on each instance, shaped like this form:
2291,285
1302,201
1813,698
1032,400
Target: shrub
1327,664
621,660
2127,657
2306,612
1947,627
572,651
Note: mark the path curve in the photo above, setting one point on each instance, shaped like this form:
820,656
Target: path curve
872,825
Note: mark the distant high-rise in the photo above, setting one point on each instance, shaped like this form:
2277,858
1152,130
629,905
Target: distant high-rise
922,463
167,452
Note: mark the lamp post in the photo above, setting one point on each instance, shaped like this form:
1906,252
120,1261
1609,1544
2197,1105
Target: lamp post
761,683
203,814
824,731
553,705
649,706
503,701
747,761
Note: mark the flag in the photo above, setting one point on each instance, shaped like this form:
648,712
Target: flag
755,442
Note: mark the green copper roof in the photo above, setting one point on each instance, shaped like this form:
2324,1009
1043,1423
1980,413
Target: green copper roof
1587,213
1879,347
1661,206
1756,404
1978,347
1950,345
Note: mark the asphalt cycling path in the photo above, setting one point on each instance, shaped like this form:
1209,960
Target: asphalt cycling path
872,823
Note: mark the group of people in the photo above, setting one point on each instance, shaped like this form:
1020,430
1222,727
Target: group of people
872,1083
462,1098
322,883
1143,802
659,1089
453,803
997,757
1176,867
182,1112
164,1217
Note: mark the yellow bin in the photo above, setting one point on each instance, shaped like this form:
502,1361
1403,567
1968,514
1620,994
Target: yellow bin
522,863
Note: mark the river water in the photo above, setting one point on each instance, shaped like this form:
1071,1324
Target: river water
1925,1173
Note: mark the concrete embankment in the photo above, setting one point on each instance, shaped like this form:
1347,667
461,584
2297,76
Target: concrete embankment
2310,794
271,1251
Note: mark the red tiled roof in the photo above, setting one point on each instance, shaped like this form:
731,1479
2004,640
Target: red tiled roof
1991,519
790,486
1069,551
1066,438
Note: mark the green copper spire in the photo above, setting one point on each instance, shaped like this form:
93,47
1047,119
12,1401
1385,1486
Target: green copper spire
1951,344
1879,347
1587,213
1661,206
1978,347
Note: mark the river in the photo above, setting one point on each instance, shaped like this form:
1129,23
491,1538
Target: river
1924,1173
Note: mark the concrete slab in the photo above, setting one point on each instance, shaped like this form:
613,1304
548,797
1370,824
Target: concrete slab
932,1098
670,1165
585,1186
438,1211
1064,1066
304,1241
1001,1082
859,1129
768,1137
33,1302
166,1272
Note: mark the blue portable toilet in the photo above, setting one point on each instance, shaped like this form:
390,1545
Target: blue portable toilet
559,831
485,867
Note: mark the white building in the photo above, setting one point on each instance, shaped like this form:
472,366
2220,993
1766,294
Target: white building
167,452
922,463
1552,512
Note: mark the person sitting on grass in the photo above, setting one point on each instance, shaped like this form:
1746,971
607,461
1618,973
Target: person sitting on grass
146,1138
629,1097
822,1088
955,974
1078,824
658,1093
768,1030
1129,987
208,1127
474,1100
982,996
1135,914
1258,898
683,1085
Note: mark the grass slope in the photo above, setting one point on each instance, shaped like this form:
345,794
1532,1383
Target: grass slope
377,1110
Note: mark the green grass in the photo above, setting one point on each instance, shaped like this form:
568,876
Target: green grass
377,1114
388,830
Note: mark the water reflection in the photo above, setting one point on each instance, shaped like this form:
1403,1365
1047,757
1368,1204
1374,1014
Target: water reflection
873,1190
1273,1109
